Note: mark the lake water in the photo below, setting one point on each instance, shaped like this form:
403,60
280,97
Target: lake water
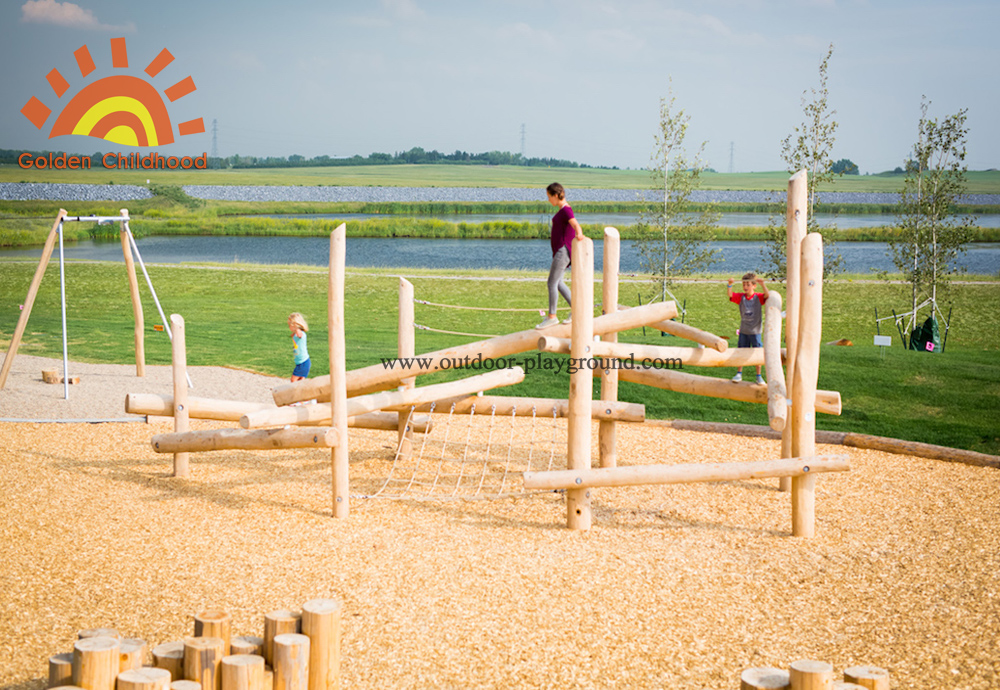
453,254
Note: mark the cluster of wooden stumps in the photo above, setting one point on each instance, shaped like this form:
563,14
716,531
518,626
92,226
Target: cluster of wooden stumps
807,674
299,650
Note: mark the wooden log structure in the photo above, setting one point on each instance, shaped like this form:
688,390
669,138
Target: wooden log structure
278,623
181,423
581,386
133,289
687,473
232,410
203,661
827,402
132,653
339,454
807,674
405,347
764,678
242,439
95,663
537,407
683,330
98,632
60,669
686,356
376,401
777,394
170,655
321,624
870,677
243,672
29,300
379,377
291,662
215,623
147,678
804,382
247,644
796,217
607,429
185,685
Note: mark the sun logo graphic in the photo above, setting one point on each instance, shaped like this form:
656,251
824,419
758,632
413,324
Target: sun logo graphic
120,108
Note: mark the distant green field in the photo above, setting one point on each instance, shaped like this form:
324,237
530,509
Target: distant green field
986,182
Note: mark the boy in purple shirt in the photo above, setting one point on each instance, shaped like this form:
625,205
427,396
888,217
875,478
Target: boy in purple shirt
565,229
751,309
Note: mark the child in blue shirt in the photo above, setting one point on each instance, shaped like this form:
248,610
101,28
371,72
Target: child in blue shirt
298,326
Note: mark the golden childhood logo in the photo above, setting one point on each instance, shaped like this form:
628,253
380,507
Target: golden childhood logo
120,108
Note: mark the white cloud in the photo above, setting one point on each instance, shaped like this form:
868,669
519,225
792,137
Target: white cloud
66,14
405,10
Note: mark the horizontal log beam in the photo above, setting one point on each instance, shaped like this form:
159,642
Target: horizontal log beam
380,377
538,407
683,474
240,439
688,356
695,335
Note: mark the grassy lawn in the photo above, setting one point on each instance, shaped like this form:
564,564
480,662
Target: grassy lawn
236,317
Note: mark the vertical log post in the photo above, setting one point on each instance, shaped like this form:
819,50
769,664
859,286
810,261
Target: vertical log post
777,393
338,371
607,429
406,347
133,288
170,655
764,678
95,663
243,672
581,382
291,662
60,670
279,623
98,632
247,644
203,661
796,217
871,677
804,383
185,685
181,422
806,674
29,301
321,624
214,624
144,679
132,654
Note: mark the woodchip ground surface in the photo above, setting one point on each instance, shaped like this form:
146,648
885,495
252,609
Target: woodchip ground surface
675,586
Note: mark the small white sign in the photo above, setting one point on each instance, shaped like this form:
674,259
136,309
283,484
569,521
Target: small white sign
883,340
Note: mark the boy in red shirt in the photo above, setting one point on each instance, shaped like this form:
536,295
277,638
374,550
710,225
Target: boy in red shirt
751,310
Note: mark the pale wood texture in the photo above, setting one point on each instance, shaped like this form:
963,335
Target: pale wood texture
242,439
203,661
696,335
537,407
807,674
339,454
215,623
247,644
170,655
764,678
243,672
607,429
278,623
181,423
291,662
777,394
804,382
321,624
377,377
871,677
133,290
684,473
144,679
844,685
60,669
405,347
795,229
29,300
581,388
361,404
132,653
687,356
185,685
95,663
98,632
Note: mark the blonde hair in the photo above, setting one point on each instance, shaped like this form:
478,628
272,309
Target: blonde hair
299,321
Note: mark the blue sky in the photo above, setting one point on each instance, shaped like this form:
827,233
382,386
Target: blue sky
583,77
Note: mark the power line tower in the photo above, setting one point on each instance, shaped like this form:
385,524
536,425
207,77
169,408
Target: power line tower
731,147
522,143
215,142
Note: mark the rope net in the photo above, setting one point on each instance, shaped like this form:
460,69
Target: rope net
468,456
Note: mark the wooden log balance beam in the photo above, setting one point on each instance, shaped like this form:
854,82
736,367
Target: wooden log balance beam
322,412
538,407
232,410
380,377
683,330
241,439
683,474
688,356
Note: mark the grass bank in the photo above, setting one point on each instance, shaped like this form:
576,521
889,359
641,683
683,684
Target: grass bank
236,317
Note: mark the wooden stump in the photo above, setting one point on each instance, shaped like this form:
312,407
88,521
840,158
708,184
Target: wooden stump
807,674
247,644
214,624
185,685
291,662
98,632
144,679
844,685
132,654
243,672
95,663
321,624
60,669
871,677
764,678
202,659
51,376
278,623
268,678
170,656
